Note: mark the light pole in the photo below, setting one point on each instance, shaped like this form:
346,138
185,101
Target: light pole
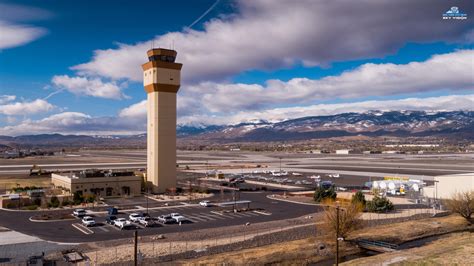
337,234
280,165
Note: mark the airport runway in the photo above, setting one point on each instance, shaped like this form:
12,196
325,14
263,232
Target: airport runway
421,167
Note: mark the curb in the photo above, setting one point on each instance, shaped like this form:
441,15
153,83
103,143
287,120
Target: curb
292,201
48,221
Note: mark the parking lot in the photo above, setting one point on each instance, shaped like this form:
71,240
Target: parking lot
193,215
199,217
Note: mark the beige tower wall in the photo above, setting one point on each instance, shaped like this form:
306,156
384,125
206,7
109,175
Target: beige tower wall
161,142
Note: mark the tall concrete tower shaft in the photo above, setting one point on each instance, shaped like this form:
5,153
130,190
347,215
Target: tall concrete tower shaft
161,79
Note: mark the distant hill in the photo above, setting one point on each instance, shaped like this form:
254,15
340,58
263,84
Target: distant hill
455,125
459,125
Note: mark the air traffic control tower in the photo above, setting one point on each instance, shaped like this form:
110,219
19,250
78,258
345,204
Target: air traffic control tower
161,79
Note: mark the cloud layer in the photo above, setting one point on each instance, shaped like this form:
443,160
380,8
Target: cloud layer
14,33
88,87
452,72
132,121
269,34
10,108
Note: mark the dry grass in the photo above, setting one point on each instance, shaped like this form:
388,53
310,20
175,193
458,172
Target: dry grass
401,232
298,252
304,251
455,249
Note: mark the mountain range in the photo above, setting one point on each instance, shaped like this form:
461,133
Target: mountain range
453,124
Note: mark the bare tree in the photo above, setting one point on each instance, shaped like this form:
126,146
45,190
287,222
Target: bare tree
349,218
462,203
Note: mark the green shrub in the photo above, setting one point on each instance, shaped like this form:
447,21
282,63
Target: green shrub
321,194
54,202
65,202
31,207
37,201
359,198
11,205
379,204
78,198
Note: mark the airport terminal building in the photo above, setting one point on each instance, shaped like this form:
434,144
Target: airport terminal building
101,183
447,185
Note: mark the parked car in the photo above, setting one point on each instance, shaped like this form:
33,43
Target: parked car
79,212
178,217
111,219
147,221
121,223
88,221
166,219
112,211
135,217
205,203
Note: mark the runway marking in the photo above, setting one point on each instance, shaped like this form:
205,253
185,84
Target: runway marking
83,229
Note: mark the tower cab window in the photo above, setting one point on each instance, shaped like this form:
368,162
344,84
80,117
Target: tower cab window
163,58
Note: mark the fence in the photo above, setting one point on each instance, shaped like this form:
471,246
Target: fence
155,250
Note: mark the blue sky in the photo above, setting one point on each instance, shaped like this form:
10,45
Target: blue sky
74,66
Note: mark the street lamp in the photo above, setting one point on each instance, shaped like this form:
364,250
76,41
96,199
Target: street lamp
337,234
280,165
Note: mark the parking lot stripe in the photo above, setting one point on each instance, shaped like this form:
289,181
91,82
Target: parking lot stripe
83,229
206,216
253,214
233,215
228,216
195,218
215,216
244,214
103,229
199,217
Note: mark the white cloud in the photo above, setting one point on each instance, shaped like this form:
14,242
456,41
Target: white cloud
266,34
13,32
442,103
25,108
134,111
88,86
453,71
6,98
13,35
133,121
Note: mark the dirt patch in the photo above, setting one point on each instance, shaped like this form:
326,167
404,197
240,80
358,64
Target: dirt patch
52,216
453,249
398,233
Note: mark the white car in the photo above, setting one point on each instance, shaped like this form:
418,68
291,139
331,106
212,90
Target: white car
88,221
135,217
178,217
79,212
205,203
334,175
121,223
146,221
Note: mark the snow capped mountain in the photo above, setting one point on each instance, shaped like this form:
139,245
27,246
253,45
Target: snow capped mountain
372,123
452,124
